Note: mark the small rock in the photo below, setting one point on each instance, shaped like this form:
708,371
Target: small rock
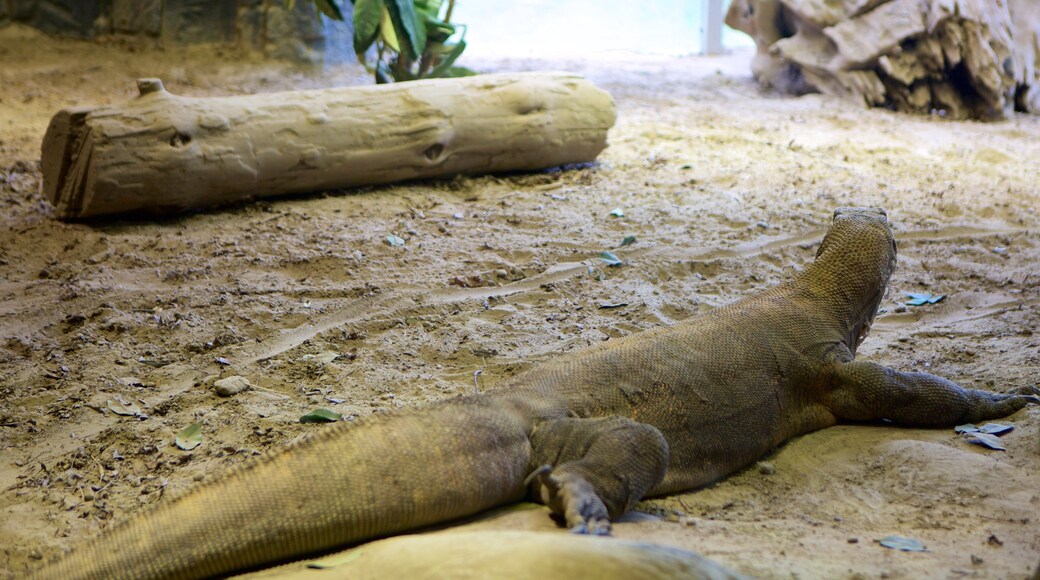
852,540
976,560
232,385
766,468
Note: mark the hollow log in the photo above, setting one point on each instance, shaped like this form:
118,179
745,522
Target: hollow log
162,153
957,58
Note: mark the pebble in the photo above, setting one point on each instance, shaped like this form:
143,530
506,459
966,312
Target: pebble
232,385
766,468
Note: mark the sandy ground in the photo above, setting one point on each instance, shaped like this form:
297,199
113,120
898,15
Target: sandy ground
726,187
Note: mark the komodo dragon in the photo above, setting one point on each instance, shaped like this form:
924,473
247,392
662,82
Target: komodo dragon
588,434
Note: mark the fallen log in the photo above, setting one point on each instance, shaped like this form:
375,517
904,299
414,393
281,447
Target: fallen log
956,58
163,153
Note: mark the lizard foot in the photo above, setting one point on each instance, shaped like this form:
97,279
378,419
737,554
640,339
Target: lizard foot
1031,393
573,499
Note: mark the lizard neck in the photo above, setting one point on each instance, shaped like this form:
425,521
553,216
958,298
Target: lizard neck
847,280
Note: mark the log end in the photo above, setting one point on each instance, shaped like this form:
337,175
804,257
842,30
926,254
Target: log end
60,161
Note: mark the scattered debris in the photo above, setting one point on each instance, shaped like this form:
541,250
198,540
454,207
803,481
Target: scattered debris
232,385
155,363
629,240
610,258
190,437
609,305
120,407
985,435
918,299
988,428
617,212
222,361
323,357
394,241
903,544
765,468
985,439
321,416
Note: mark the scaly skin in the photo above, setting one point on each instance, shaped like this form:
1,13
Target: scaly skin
588,434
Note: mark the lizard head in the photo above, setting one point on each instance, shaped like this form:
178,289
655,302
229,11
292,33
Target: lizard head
859,253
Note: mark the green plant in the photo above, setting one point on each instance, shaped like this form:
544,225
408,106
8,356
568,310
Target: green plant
413,39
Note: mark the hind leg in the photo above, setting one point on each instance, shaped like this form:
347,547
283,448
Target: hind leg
595,470
864,391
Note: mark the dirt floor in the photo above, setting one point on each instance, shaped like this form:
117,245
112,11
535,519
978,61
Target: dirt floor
726,188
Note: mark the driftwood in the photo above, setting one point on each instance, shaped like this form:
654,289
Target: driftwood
162,152
957,58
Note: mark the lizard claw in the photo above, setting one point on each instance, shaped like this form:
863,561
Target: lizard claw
572,498
1030,391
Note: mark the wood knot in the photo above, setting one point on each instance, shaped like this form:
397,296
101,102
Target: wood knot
147,86
434,151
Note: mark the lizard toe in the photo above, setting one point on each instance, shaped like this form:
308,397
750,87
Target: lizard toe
572,497
1030,390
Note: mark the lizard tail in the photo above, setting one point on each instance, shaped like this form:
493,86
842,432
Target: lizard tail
346,484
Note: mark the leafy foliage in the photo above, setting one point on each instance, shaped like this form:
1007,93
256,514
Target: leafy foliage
412,39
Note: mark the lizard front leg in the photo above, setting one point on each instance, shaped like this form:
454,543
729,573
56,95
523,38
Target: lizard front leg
865,391
594,470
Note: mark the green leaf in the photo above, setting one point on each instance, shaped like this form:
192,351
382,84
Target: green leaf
433,6
394,240
458,71
629,240
367,14
336,559
387,31
190,437
918,299
436,32
903,544
402,12
330,8
441,69
610,259
321,416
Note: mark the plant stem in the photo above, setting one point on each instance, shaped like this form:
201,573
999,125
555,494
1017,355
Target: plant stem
451,6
